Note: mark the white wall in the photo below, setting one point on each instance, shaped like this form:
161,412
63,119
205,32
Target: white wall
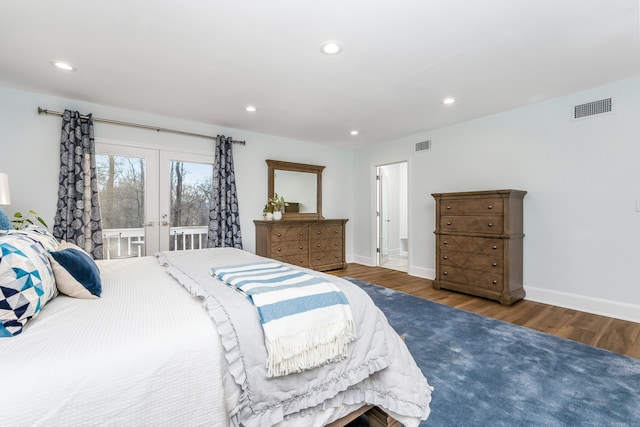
29,153
582,231
582,240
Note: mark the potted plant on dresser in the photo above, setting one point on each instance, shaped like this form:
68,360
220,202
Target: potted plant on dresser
267,212
278,204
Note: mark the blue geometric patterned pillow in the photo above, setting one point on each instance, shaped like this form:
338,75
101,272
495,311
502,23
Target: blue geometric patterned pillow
26,282
39,234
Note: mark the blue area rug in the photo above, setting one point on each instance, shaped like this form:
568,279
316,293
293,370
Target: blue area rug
491,373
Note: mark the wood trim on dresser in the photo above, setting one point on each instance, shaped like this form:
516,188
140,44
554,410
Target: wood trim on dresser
479,243
317,244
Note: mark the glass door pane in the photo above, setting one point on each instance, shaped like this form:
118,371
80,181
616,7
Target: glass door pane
185,201
126,191
121,193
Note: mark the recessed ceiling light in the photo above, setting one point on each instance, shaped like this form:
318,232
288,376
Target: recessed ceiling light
354,132
63,65
251,108
331,48
448,100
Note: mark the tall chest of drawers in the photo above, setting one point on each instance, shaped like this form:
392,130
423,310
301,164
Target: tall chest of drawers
316,244
479,243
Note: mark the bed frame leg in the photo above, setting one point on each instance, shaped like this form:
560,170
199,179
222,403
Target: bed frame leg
379,418
376,416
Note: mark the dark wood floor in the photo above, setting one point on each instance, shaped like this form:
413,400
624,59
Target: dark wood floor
616,335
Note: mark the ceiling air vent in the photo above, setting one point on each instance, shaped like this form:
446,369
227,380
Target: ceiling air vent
424,145
592,108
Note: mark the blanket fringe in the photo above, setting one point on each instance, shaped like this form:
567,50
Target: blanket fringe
310,348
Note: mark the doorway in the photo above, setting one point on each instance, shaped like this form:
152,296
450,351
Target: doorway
392,243
152,200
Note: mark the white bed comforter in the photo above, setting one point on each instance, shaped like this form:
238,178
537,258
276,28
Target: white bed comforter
144,354
378,371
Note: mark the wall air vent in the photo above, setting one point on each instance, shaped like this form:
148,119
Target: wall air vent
424,145
592,108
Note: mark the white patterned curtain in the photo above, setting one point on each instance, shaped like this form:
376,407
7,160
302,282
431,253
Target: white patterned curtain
224,218
78,215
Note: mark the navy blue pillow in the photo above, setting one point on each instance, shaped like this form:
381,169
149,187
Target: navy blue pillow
79,276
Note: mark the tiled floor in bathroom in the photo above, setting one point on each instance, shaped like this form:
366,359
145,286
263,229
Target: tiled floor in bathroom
397,262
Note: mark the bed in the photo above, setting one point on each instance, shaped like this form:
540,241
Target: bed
149,352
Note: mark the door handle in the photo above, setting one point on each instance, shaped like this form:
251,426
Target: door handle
165,223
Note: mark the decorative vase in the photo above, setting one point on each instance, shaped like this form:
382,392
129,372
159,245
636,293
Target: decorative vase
268,216
277,215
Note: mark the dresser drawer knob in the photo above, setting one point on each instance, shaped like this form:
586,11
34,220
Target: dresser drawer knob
445,242
445,257
494,264
301,233
490,224
279,249
279,235
494,247
495,282
448,207
301,247
444,273
490,206
449,223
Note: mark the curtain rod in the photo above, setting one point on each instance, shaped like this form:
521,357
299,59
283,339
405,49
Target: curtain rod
136,125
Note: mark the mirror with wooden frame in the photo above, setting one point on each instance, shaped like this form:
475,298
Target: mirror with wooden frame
300,185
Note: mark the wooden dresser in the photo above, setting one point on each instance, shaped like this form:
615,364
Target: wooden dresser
316,244
479,243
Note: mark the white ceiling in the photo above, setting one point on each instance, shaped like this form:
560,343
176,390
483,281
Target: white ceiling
205,60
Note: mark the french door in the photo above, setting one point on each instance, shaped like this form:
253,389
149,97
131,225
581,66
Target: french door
152,200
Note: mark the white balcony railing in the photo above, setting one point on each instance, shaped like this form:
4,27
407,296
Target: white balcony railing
129,242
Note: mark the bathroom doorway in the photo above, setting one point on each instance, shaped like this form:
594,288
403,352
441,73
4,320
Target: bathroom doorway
392,243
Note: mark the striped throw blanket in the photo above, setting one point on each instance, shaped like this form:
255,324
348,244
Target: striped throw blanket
306,319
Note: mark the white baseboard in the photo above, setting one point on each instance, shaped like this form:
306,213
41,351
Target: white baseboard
603,307
358,259
425,273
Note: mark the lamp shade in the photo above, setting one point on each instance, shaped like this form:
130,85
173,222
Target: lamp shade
5,197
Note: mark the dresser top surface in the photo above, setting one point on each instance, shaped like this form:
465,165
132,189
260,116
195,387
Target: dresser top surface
485,193
294,222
